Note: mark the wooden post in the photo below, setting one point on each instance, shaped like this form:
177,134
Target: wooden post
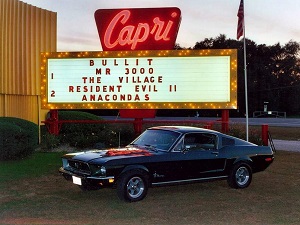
138,125
264,134
225,121
53,122
138,115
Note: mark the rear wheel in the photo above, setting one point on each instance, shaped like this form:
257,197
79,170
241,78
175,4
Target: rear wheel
132,186
240,176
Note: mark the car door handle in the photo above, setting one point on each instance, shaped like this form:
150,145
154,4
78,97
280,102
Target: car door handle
215,153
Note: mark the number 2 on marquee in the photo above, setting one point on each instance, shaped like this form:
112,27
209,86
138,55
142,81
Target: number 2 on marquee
52,93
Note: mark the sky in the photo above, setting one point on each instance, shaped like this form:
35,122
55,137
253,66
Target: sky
267,21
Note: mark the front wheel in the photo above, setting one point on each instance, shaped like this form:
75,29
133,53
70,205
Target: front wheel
240,176
132,186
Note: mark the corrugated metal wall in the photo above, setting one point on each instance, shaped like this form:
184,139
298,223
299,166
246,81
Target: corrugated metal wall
25,32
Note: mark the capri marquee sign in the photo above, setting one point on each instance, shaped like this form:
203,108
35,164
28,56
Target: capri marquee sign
130,29
127,75
158,79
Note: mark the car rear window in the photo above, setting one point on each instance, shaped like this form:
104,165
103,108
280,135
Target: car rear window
227,141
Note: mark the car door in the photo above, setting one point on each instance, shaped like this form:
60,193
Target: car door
200,157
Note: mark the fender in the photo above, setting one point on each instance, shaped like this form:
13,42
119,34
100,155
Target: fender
231,162
133,167
245,159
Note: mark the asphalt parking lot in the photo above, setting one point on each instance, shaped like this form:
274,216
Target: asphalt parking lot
293,146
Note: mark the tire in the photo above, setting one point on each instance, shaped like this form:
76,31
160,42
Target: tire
240,176
132,186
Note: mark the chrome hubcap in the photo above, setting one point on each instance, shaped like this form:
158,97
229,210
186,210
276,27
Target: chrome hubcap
242,176
135,187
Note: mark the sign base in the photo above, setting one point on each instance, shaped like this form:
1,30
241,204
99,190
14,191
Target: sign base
137,113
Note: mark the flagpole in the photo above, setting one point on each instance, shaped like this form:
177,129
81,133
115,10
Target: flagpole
246,83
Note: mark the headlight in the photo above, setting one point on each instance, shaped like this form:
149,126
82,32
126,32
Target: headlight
65,163
98,170
103,171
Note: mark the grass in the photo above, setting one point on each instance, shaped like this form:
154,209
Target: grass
32,192
285,133
35,165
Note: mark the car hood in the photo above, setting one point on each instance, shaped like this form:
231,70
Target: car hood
106,155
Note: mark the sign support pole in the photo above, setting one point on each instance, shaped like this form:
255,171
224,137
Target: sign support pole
53,127
225,120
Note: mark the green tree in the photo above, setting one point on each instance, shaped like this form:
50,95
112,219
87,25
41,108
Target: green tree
273,73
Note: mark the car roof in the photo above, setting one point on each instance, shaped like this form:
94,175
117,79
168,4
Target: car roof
189,129
183,129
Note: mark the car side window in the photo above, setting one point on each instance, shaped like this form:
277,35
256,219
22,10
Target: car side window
200,141
179,147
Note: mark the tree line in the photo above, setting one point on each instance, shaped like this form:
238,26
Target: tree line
273,74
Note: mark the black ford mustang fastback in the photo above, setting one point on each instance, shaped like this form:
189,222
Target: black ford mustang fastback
167,155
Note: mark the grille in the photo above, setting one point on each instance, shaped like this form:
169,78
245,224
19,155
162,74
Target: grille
80,167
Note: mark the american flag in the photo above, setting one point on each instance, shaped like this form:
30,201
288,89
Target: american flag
240,26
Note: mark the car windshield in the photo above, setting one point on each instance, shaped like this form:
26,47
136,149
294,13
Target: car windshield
157,139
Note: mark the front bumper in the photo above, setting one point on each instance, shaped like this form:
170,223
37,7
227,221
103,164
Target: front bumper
86,179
